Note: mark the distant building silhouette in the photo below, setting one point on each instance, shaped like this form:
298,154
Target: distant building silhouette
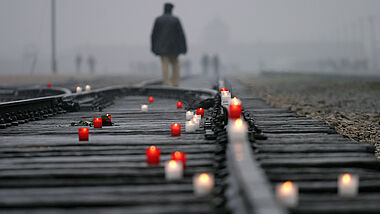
216,34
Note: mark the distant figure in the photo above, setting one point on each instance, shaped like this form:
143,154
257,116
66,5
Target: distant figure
205,61
91,63
78,62
168,41
216,64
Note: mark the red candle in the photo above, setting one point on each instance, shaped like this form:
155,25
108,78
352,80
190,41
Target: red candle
176,129
179,105
48,84
98,122
150,99
179,156
83,134
234,111
153,155
223,89
201,112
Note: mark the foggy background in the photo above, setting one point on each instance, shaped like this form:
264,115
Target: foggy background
248,35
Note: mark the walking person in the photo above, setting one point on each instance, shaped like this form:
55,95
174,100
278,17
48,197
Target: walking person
168,41
205,63
91,63
78,63
216,64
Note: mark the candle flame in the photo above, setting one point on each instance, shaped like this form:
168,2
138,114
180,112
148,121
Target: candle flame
238,123
346,178
235,101
287,187
84,129
152,148
204,177
175,124
172,164
177,154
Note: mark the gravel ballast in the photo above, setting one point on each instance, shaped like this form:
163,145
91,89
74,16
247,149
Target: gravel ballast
351,104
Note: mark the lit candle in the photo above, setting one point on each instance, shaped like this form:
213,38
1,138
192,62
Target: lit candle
190,126
226,98
153,155
175,129
83,134
179,105
150,99
189,115
179,156
197,120
237,131
287,194
48,85
348,185
79,89
235,108
88,87
203,184
173,170
144,107
98,122
200,111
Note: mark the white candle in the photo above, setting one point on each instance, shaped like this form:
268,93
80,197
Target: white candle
237,131
79,89
144,107
287,194
348,185
189,115
226,98
203,184
197,120
190,126
88,87
196,123
173,170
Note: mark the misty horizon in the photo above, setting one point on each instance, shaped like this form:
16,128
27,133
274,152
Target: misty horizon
123,27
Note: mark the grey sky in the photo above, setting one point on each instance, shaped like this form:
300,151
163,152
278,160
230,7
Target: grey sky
25,24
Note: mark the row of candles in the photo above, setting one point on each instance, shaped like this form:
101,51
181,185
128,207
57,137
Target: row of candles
203,183
79,89
287,192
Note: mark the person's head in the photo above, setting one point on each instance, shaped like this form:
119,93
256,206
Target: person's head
168,7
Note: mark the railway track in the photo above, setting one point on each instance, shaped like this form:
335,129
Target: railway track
45,168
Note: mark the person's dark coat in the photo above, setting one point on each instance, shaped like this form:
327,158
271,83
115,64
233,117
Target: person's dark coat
168,37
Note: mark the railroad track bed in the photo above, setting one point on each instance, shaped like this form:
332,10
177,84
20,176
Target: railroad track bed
310,153
44,168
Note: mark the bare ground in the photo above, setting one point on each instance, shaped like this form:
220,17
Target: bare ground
351,104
